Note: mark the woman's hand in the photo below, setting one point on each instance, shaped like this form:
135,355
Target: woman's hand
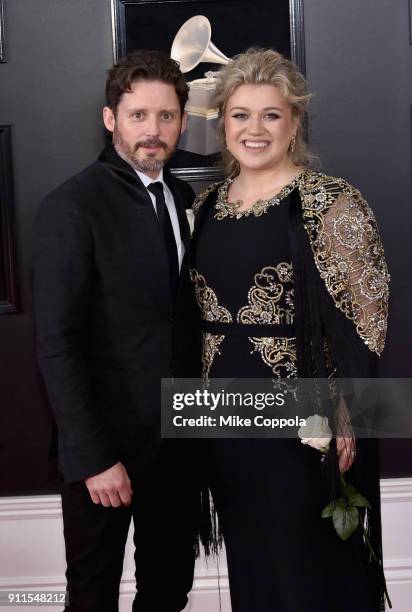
345,441
346,449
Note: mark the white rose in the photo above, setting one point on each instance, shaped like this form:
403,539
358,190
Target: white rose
191,219
316,433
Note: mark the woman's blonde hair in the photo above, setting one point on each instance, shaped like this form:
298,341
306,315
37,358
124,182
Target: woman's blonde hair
263,66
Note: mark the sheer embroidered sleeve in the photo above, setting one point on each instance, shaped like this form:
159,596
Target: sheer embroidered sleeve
349,255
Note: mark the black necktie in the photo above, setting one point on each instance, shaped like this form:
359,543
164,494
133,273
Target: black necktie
167,230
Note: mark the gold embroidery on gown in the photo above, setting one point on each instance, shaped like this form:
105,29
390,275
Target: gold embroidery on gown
224,208
211,311
268,303
265,303
278,353
347,250
202,197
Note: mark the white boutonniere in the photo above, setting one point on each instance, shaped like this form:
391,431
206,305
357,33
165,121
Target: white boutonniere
191,219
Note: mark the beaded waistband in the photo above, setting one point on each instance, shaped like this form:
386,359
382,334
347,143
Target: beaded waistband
248,330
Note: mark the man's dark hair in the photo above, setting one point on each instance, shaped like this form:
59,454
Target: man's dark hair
144,65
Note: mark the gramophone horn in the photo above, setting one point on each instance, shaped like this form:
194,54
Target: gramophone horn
192,45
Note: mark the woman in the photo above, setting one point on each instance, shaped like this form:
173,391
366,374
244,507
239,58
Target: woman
291,281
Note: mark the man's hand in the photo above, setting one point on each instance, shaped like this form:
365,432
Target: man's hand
111,487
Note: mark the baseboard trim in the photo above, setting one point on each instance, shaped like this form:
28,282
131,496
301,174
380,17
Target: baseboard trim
30,507
43,506
209,579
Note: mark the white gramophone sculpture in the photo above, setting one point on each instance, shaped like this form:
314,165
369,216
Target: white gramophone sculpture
192,45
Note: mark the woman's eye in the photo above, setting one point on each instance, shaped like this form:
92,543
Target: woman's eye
241,116
272,116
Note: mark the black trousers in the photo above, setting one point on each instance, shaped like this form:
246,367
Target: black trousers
165,515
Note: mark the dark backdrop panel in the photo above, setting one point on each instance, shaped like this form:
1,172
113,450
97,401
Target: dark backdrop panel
51,92
8,281
360,124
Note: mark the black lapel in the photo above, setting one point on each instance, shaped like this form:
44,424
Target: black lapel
138,197
125,175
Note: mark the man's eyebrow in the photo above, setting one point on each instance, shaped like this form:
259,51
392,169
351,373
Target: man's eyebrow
134,109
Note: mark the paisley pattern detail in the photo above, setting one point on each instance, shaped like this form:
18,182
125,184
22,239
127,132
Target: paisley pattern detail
269,301
211,311
279,354
224,208
348,253
210,348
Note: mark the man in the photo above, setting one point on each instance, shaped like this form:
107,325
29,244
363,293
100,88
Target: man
113,308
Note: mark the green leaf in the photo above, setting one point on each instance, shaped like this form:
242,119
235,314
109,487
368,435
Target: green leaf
328,510
356,499
348,490
353,496
345,519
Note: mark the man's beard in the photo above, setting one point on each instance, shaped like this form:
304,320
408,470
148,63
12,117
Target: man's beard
146,164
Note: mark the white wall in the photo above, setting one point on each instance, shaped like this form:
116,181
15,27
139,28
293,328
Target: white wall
32,552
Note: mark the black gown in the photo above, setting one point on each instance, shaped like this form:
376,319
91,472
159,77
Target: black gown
269,493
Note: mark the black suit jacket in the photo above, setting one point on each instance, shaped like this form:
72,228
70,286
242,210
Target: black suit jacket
107,326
